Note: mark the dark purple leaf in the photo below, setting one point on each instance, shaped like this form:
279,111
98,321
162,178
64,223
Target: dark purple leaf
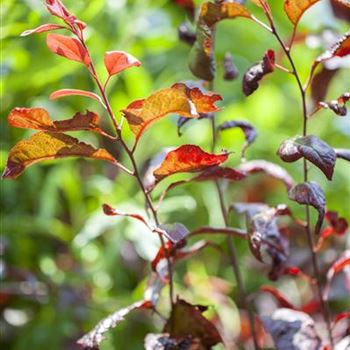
186,321
93,339
174,232
310,193
292,330
255,73
320,84
313,149
343,153
217,173
274,170
248,130
338,105
185,34
230,69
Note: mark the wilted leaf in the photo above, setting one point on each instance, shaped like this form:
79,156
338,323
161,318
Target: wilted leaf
179,99
230,69
274,170
187,158
313,149
248,130
48,145
117,61
42,29
108,210
186,321
39,119
343,153
255,73
174,232
74,92
93,339
202,63
339,265
68,47
310,193
295,8
292,329
338,105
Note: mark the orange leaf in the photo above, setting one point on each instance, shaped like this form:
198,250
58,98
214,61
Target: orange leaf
180,99
39,119
70,48
74,92
187,158
43,28
47,145
117,61
296,8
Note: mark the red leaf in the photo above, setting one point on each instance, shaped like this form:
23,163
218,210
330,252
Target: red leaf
43,28
339,224
117,61
70,48
74,92
187,158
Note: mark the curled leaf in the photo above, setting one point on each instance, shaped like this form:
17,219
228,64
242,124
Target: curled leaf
187,321
310,193
117,61
74,92
68,47
187,158
274,170
313,149
48,145
291,329
42,29
255,73
94,338
338,105
180,99
39,119
248,130
296,8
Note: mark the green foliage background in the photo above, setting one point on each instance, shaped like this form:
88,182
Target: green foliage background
79,265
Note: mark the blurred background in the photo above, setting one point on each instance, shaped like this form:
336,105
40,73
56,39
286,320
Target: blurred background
64,264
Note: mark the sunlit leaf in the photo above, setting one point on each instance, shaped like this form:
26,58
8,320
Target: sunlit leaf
187,321
68,47
117,61
42,29
313,149
39,119
74,92
187,158
94,338
48,145
271,169
179,99
255,73
292,329
310,193
296,8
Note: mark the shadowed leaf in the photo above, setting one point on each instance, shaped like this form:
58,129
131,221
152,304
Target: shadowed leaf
255,73
292,329
320,84
186,321
296,8
48,145
310,193
180,99
187,158
117,61
313,149
68,47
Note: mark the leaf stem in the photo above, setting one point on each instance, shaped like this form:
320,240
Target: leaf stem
324,306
